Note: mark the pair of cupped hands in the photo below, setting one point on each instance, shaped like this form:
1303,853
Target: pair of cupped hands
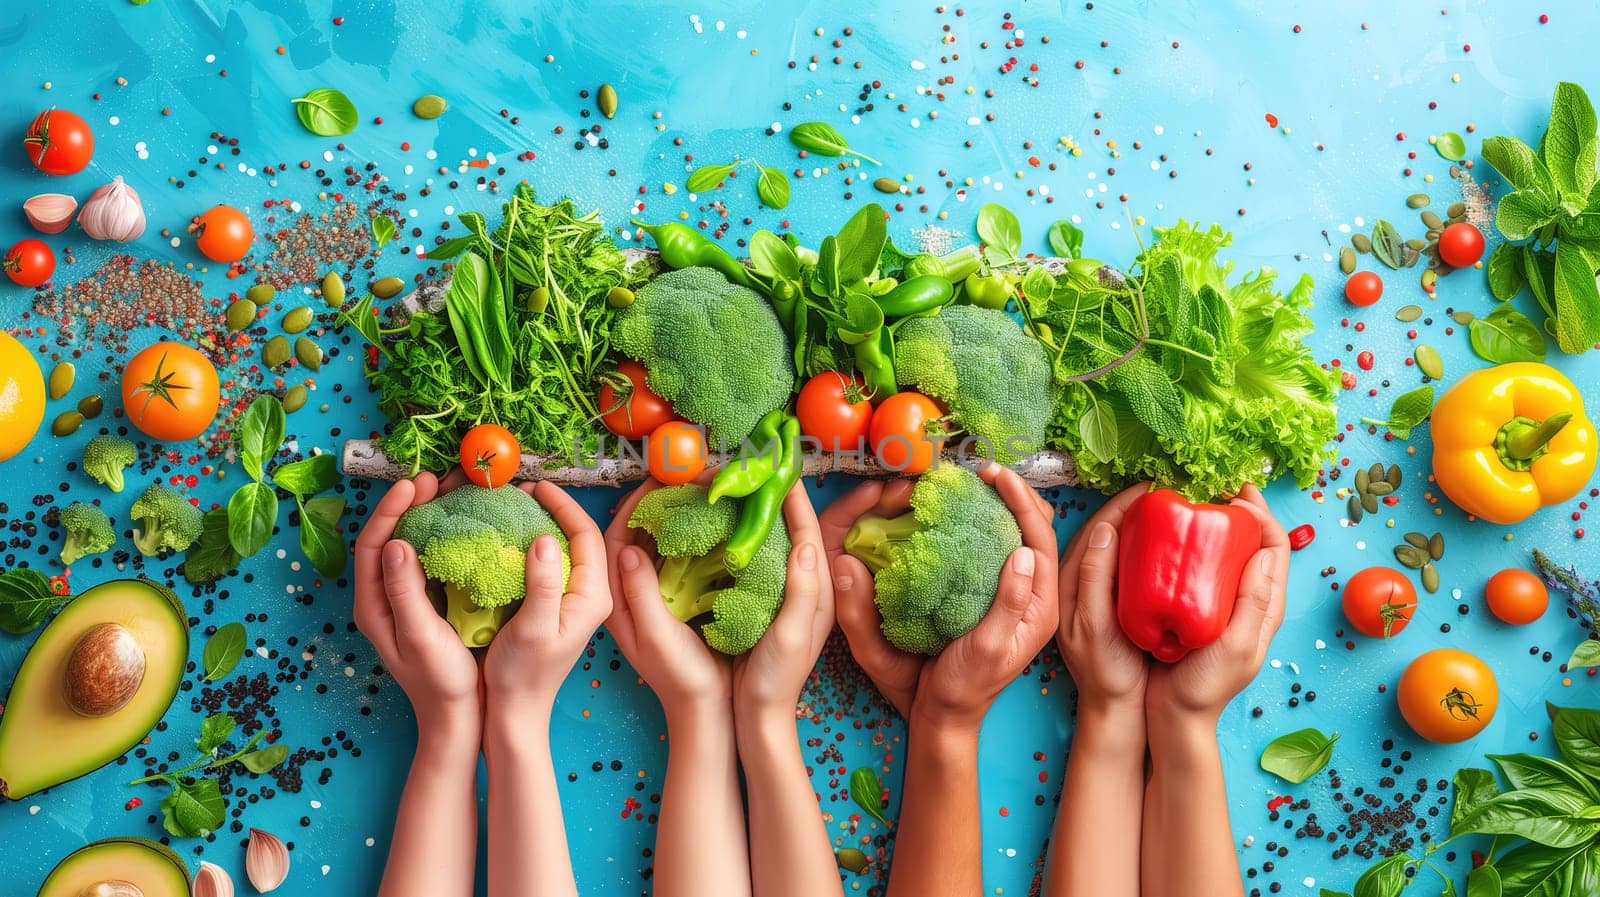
1036,598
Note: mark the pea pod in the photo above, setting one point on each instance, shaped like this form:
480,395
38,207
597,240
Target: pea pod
987,290
746,474
916,296
762,509
682,246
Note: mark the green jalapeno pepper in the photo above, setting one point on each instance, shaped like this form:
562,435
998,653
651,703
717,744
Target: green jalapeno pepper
919,295
682,246
762,509
745,475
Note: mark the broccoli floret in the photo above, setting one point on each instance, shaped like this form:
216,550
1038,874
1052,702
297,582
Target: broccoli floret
167,521
690,535
105,457
994,378
714,349
936,567
475,541
88,532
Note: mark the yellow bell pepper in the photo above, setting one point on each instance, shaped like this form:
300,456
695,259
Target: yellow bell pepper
1510,439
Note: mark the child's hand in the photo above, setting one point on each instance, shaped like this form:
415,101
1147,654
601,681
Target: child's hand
1202,683
1106,667
769,678
393,610
668,653
532,654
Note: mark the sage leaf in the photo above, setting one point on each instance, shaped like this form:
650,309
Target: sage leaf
1298,756
223,651
326,112
867,792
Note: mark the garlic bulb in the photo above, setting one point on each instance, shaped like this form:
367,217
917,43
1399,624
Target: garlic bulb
113,212
50,213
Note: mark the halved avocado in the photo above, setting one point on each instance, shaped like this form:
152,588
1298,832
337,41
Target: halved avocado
44,740
147,866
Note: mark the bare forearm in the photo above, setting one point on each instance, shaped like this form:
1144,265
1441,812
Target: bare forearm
700,805
938,847
436,830
1094,850
789,849
527,838
1188,842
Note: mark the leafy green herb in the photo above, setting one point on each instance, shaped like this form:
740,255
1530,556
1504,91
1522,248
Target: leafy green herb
477,311
1504,269
383,229
1407,412
26,599
824,140
1066,240
265,759
867,792
1386,879
260,432
1298,756
1587,654
326,112
222,653
194,807
1506,335
214,730
1387,245
1000,231
707,176
320,538
773,187
1451,146
252,513
212,556
308,476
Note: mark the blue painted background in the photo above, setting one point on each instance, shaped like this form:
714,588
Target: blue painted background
1341,91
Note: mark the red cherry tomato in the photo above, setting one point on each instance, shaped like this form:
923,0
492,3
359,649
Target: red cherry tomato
833,409
676,452
30,263
1461,245
490,455
224,234
906,432
1516,596
59,142
1363,288
1379,602
628,407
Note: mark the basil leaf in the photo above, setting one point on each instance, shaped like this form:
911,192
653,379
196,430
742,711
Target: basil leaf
773,187
1517,163
1504,268
214,730
860,243
707,177
259,434
1506,335
1066,240
326,112
26,599
213,555
223,651
867,792
1451,146
1387,245
1534,869
823,139
320,537
1577,732
1484,881
1408,410
1573,789
1530,815
1298,756
265,759
1385,879
308,476
193,810
1587,654
1000,231
1473,788
383,229
252,512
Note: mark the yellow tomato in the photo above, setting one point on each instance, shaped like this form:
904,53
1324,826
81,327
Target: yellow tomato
21,396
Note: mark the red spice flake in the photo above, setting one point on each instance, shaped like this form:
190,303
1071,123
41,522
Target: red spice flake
1005,811
1272,120
133,803
629,806
1278,802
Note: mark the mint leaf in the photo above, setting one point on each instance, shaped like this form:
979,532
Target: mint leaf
1524,212
1504,270
1408,410
214,730
1517,163
1567,149
193,809
1577,301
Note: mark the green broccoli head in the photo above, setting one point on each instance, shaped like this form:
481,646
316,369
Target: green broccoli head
105,457
995,379
167,521
714,349
936,567
88,532
690,535
475,541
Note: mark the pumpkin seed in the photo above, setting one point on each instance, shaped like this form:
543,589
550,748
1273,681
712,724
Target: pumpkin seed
1416,245
1361,242
1379,488
539,300
261,294
1456,210
1392,476
429,106
62,376
1408,313
386,287
333,290
295,398
240,314
1417,200
309,353
1433,234
275,354
1369,503
1417,540
1375,472
1353,509
1430,578
851,859
606,100
1432,221
1362,479
1409,257
1347,260
1463,317
90,406
66,423
1455,172
886,185
1429,278
1436,546
1429,362
619,297
297,319
1410,557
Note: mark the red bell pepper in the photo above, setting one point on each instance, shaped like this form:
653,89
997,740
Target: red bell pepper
1178,570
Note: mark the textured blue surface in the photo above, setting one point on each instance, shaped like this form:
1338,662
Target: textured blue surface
1341,90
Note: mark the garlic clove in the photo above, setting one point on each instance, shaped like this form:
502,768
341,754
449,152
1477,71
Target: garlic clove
266,861
50,213
212,881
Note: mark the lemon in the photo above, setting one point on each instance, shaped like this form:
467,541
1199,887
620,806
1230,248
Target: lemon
21,396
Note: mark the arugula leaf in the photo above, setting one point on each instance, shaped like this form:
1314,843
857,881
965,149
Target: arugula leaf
193,809
223,651
1000,231
867,792
26,600
1298,756
1506,335
213,555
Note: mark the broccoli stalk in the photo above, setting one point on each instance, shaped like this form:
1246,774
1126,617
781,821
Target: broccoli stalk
689,585
88,532
167,521
873,540
105,457
476,625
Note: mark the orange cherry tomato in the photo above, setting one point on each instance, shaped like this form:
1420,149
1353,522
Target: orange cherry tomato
676,452
224,234
1379,601
907,432
1363,288
833,409
490,455
1448,695
170,391
1516,596
628,406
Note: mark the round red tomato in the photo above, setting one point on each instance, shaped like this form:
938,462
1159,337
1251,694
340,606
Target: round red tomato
30,263
628,406
1363,288
1448,695
1461,245
676,452
1516,596
490,455
223,234
1379,601
170,391
833,409
59,142
907,432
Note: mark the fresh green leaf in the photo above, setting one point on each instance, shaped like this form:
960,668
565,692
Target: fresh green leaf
1387,245
1539,265
1298,756
1587,654
193,810
1098,429
867,792
214,730
326,112
1506,335
1522,213
259,433
1504,269
1548,776
824,140
773,259
1568,148
1408,411
707,176
452,247
772,187
1531,815
1151,394
383,229
265,759
1000,231
213,555
252,512
1577,732
223,651
1484,881
860,243
1518,164
477,311
1535,870
26,600
1037,288
320,536
1066,240
1473,787
1384,879
1577,300
1328,892
308,476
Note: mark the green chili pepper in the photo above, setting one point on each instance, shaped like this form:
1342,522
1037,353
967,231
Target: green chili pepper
952,266
875,360
745,475
682,246
919,295
762,509
784,296
987,290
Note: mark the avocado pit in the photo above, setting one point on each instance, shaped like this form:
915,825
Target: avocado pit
114,888
103,673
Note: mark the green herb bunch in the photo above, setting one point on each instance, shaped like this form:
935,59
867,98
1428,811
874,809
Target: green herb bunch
195,806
